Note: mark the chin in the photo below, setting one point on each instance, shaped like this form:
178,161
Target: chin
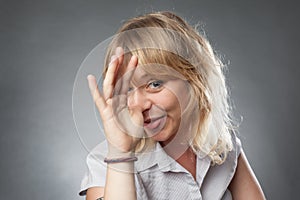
162,137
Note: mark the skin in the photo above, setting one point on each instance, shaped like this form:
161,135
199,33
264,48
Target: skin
244,184
161,102
145,104
116,136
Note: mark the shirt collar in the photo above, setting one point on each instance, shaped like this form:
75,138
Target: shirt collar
158,159
155,157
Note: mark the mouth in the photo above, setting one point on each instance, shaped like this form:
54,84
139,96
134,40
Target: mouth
155,124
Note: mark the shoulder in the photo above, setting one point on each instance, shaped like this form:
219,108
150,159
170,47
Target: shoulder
244,183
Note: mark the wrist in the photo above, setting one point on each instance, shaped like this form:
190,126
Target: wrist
124,167
116,153
119,160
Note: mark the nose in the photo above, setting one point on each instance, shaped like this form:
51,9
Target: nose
139,98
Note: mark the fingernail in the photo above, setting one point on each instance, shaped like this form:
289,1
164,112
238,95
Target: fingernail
89,76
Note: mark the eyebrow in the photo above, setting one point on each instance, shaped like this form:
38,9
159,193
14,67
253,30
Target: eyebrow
143,79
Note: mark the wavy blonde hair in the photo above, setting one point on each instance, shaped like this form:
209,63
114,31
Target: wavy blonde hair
166,39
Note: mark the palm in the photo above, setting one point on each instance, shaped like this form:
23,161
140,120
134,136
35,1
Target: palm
123,127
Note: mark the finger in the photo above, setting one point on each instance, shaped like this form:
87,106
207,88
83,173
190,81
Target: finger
108,82
126,78
98,99
120,54
123,84
138,120
120,57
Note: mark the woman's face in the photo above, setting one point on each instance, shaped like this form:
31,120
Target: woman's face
161,101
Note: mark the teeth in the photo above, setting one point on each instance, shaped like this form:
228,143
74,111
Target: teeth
150,120
147,121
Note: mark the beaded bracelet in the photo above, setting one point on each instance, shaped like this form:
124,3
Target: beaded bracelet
120,160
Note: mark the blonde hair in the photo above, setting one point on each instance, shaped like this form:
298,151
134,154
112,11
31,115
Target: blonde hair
166,39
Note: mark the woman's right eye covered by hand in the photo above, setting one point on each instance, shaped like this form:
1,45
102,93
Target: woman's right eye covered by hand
130,89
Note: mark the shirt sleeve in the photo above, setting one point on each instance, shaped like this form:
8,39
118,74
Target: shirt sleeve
96,174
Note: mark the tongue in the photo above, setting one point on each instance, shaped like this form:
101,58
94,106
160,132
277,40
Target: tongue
153,125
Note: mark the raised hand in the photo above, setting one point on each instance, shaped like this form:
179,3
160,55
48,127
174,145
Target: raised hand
123,127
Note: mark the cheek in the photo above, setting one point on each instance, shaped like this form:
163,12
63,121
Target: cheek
179,94
183,95
170,103
179,103
174,107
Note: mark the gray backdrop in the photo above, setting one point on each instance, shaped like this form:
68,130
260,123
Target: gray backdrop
43,43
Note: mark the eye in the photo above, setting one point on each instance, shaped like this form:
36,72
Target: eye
130,89
154,85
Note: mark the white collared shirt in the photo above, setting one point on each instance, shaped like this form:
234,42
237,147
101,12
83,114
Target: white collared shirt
159,177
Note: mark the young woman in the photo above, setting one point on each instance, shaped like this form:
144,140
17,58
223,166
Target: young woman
166,118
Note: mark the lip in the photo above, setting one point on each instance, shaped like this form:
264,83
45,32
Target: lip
155,124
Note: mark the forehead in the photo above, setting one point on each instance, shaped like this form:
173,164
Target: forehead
158,70
140,76
140,73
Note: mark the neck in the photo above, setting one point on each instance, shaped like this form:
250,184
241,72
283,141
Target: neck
175,149
183,155
188,160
